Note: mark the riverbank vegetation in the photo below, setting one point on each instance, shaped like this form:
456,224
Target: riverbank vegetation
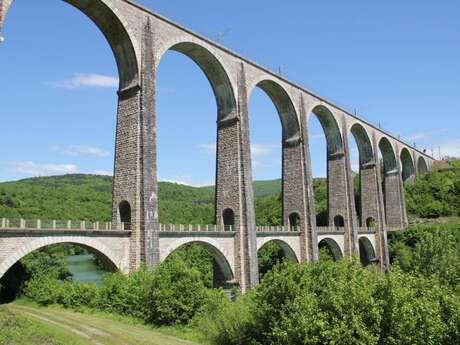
418,302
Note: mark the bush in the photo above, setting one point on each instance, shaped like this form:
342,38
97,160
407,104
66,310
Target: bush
337,303
176,294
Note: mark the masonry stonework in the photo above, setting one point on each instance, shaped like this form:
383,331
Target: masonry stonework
138,39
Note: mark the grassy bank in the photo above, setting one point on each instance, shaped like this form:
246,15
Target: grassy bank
26,323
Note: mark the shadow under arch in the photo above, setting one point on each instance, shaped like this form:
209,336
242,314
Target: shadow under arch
15,275
422,167
99,249
215,73
366,153
390,165
272,253
408,167
222,271
366,162
366,252
286,249
330,127
331,247
284,106
114,30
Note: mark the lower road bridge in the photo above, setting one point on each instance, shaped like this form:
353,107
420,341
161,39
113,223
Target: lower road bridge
112,244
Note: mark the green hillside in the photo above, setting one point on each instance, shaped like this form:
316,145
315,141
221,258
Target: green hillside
89,197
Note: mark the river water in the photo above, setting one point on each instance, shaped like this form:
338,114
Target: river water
84,269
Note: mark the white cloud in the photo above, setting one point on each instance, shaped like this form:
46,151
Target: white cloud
85,80
82,150
36,169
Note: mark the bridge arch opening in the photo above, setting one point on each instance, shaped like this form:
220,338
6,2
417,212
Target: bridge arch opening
193,74
114,29
339,222
124,210
390,181
329,250
274,252
78,260
294,220
371,223
366,252
422,166
326,146
273,125
208,260
228,218
362,163
408,167
70,92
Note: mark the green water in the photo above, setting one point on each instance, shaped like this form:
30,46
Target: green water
84,269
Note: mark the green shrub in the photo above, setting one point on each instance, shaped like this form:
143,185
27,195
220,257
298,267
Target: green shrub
176,294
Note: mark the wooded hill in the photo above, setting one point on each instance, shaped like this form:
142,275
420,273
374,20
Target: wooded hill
88,197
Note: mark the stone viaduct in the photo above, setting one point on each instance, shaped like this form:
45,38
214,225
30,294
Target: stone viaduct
138,39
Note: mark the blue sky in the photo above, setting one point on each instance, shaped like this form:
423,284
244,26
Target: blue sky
397,63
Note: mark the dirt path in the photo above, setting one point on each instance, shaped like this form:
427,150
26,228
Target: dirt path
97,330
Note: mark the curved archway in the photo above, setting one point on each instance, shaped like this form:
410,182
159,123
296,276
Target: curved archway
389,157
366,153
95,246
422,167
228,217
113,27
124,209
391,185
294,220
408,167
210,97
339,222
272,161
222,272
331,160
214,72
274,252
328,248
331,129
371,223
284,106
366,252
365,184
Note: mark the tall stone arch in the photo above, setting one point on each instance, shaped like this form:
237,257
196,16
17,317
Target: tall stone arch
392,186
422,166
294,181
114,28
408,166
233,178
340,198
96,246
109,18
